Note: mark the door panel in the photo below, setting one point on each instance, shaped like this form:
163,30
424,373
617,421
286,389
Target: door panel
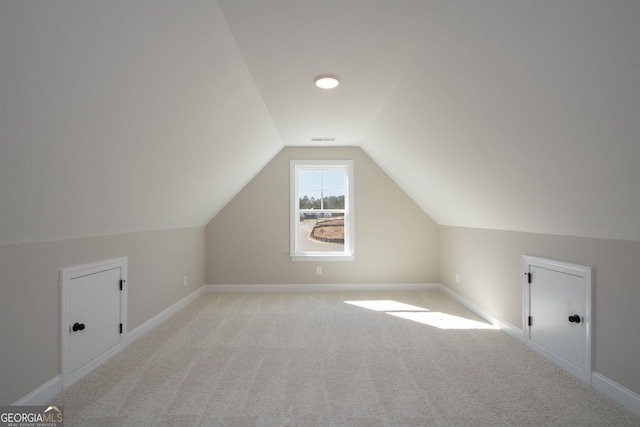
94,300
554,291
554,296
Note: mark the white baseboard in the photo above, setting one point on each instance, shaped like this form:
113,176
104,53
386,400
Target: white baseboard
345,287
616,392
42,394
509,329
156,320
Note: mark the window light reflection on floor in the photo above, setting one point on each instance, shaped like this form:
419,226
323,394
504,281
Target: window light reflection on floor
421,315
386,305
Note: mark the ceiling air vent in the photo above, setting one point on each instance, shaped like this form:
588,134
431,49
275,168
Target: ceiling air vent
324,139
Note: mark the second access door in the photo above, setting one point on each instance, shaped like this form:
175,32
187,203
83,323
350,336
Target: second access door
558,313
93,316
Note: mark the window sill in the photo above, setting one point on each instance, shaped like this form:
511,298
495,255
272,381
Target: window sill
321,258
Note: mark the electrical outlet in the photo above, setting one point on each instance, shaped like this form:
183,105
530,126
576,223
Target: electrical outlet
457,277
186,281
319,271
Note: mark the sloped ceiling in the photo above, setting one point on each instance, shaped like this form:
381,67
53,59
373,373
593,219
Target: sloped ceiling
119,116
522,116
511,115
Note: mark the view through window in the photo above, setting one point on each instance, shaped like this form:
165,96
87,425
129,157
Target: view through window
321,208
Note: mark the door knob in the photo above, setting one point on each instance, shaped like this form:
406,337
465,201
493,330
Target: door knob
78,327
574,318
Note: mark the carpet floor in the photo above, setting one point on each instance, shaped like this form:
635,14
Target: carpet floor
332,359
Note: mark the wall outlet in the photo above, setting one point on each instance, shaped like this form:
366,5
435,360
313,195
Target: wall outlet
319,271
457,277
185,282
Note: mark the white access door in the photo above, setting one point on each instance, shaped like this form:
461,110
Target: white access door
558,318
94,310
93,316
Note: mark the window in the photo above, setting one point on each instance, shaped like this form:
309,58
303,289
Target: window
322,210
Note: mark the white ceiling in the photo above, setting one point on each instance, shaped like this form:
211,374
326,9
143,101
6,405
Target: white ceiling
370,45
117,116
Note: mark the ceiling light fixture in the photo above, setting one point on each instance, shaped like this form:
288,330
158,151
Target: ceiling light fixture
326,81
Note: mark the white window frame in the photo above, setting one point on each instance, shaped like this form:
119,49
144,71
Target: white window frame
348,254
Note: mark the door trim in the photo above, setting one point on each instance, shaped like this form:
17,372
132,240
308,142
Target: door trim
584,372
66,275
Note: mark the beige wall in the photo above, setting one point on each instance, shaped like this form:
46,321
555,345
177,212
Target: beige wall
490,267
248,241
30,294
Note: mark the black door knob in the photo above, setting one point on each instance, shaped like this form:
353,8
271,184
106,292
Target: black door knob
78,327
574,318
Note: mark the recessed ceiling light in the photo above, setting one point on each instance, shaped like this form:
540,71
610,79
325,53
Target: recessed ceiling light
327,81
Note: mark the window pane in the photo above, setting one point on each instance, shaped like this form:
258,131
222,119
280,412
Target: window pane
334,201
322,233
309,180
321,206
321,189
310,199
333,180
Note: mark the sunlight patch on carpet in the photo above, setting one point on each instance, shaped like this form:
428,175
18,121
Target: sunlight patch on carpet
421,315
386,305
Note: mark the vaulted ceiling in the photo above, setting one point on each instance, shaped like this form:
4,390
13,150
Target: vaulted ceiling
120,116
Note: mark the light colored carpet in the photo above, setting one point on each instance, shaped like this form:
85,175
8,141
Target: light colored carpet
310,359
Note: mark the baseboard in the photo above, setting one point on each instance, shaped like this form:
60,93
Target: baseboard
616,392
509,329
156,320
42,394
342,287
